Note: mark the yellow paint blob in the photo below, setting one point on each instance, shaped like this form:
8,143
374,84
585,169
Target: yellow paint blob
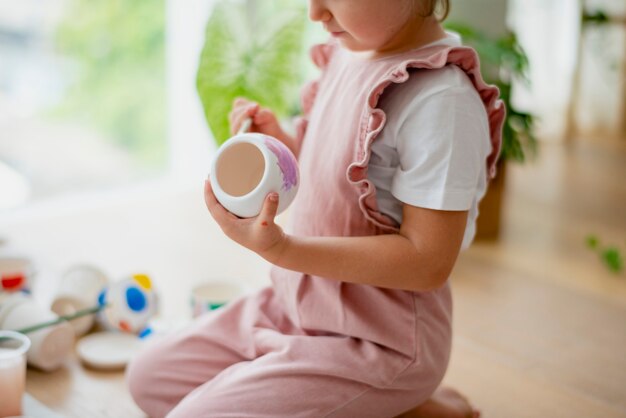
143,281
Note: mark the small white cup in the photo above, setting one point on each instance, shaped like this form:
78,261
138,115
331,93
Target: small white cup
13,348
49,346
247,167
79,289
213,295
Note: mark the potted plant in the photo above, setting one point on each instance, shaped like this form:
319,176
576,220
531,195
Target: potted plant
502,60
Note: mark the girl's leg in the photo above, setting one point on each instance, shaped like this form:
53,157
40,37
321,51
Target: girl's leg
307,377
172,366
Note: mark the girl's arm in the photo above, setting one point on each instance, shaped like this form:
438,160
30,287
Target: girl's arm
419,258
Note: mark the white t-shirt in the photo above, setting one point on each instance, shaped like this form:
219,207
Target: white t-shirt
432,151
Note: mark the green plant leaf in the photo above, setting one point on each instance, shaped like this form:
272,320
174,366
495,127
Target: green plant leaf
258,61
613,259
592,241
502,61
598,17
116,50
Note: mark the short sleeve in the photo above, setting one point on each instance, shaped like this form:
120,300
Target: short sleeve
442,139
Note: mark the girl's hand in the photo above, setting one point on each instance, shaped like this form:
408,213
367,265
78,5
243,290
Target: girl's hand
263,120
259,234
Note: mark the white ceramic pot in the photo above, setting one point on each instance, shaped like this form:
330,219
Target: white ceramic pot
50,346
131,303
79,289
249,166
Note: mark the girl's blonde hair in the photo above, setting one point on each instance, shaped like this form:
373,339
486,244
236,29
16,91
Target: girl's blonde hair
440,8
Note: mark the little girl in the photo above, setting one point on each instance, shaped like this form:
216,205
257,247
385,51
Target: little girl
399,138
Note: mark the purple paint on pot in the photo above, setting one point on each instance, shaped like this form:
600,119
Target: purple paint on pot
286,163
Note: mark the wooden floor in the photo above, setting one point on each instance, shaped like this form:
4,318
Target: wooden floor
540,323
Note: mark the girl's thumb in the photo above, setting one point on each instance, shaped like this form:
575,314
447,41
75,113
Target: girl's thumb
270,208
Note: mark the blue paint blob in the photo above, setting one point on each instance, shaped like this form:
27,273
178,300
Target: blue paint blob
102,299
135,299
146,332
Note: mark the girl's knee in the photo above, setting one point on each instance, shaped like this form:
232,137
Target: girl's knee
142,378
139,379
137,374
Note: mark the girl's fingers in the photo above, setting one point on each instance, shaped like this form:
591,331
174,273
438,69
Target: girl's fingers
269,210
241,101
250,112
264,116
219,213
235,118
239,114
252,109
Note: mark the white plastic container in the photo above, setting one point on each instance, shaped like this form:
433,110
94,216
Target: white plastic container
248,167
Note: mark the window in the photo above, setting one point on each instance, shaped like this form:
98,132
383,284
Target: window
562,71
101,95
82,96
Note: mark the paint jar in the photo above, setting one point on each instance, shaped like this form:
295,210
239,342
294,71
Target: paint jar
248,167
13,348
16,273
210,296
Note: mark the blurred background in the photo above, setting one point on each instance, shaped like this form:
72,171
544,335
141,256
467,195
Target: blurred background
82,96
110,111
95,96
108,103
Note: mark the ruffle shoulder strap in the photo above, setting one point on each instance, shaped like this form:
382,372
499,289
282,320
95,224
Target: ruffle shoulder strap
374,118
320,55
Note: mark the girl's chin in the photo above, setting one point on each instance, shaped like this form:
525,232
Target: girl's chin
354,48
350,44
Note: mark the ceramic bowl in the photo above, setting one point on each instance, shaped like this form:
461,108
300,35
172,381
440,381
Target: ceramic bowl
249,166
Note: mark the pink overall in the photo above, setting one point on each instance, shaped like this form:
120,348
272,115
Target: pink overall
309,346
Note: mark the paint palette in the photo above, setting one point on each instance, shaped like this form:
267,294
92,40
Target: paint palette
108,350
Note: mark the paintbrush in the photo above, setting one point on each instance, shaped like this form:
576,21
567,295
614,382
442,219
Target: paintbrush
60,319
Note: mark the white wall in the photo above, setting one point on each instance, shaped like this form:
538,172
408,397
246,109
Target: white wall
548,31
191,141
